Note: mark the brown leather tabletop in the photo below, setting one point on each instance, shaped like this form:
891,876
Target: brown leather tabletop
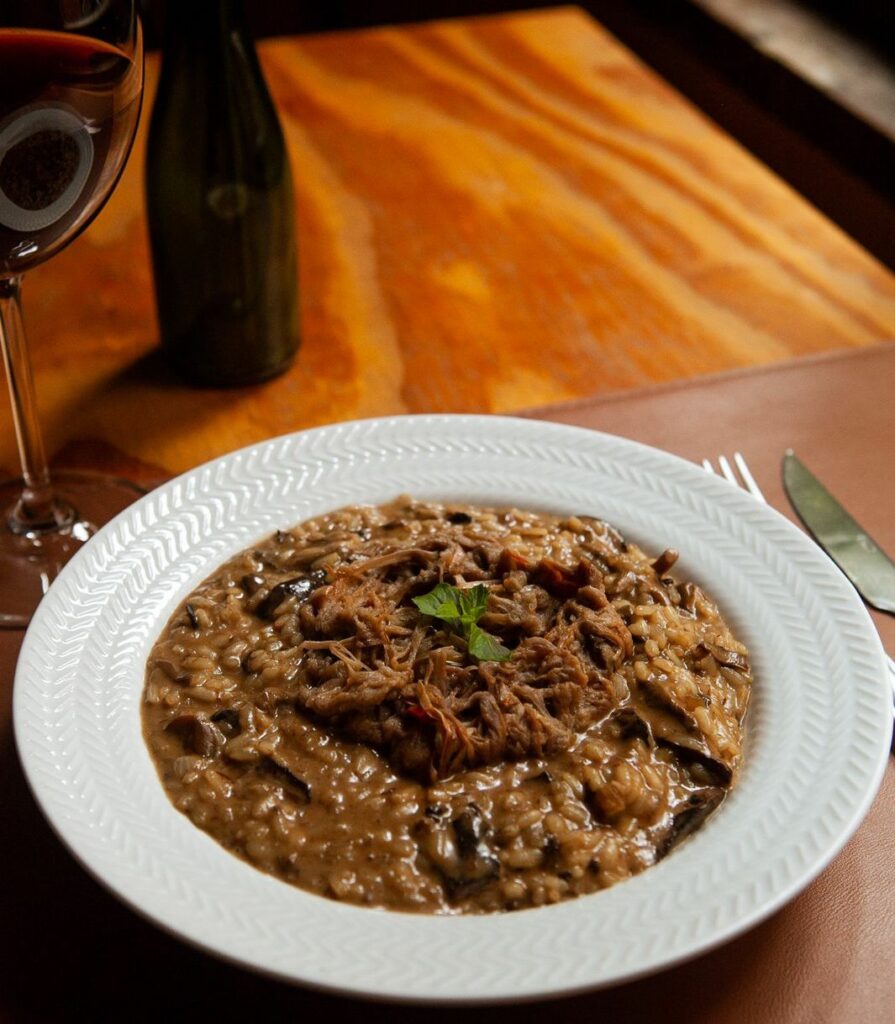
69,949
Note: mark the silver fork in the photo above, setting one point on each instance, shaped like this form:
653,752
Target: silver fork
746,480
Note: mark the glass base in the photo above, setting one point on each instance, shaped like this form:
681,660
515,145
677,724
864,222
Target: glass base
31,560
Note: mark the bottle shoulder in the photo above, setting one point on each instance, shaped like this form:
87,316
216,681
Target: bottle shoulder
226,128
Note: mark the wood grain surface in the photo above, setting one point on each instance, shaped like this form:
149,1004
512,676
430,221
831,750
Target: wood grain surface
492,213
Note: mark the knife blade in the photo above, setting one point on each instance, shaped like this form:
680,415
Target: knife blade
869,568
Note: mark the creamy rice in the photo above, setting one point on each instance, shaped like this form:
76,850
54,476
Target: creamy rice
360,751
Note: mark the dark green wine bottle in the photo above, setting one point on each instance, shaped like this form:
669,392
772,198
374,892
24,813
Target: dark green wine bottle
220,206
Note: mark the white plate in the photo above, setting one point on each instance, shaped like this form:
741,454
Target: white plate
818,729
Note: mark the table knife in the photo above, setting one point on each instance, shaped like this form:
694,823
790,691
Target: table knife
868,567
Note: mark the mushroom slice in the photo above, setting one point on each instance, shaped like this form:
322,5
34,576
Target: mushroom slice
691,814
632,727
673,726
198,734
227,720
278,768
299,587
665,561
725,657
478,862
460,852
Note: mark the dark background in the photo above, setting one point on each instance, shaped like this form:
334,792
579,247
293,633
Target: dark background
869,18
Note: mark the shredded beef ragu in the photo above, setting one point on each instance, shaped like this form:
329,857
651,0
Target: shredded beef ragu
381,673
303,710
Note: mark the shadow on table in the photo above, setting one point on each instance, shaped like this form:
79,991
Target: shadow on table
153,411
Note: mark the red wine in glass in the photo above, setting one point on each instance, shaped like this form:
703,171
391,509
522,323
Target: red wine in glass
68,110
70,93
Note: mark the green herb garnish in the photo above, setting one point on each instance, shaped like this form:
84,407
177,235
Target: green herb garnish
461,610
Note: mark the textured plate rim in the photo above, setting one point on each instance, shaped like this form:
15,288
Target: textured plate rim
477,433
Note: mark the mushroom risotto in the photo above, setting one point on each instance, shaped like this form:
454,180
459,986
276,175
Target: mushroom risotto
445,708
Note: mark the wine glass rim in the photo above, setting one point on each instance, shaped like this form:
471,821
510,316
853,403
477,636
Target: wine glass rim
130,46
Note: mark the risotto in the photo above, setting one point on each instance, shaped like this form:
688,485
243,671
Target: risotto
448,709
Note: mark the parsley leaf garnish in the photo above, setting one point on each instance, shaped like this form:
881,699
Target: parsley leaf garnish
484,646
473,603
443,602
461,610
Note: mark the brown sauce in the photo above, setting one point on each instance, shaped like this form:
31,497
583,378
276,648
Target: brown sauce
304,711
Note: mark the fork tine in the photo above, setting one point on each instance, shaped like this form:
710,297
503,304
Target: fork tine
727,471
751,486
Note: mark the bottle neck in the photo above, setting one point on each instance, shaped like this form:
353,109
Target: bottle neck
205,26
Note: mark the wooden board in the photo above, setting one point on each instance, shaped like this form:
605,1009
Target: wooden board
492,213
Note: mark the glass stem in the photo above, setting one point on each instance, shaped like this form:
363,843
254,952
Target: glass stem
37,508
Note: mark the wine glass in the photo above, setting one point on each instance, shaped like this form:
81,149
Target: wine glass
71,85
